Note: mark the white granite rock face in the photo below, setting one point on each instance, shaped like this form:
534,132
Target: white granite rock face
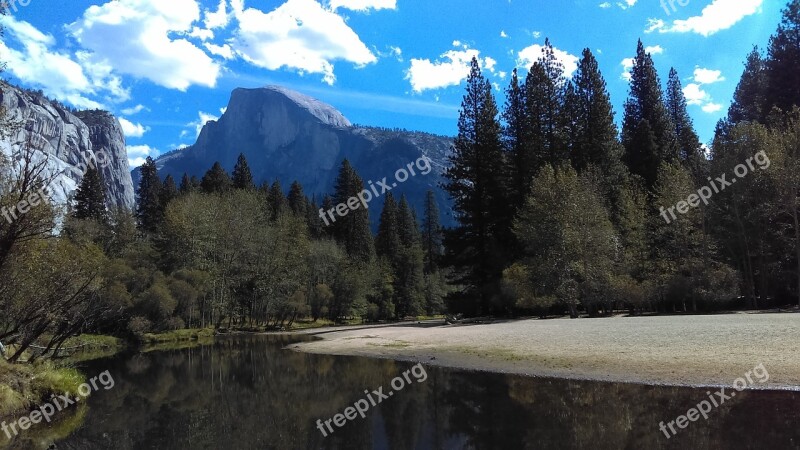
69,142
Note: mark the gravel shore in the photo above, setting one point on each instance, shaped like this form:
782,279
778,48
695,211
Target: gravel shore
671,350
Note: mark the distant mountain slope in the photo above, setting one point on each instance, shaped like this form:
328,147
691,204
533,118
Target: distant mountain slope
289,136
70,141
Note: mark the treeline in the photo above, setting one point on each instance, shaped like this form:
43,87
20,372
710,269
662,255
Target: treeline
560,212
220,251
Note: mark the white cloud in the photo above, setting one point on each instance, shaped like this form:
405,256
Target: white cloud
529,55
363,5
707,76
605,5
134,110
654,50
695,95
627,66
299,35
717,16
67,77
130,129
224,51
626,4
138,153
450,69
217,19
503,34
202,119
136,37
712,108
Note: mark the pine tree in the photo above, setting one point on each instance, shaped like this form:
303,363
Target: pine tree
749,97
90,198
352,230
645,107
169,191
473,181
242,178
593,134
186,185
690,149
149,211
545,90
216,180
783,62
297,200
408,227
387,242
277,200
315,224
517,142
431,234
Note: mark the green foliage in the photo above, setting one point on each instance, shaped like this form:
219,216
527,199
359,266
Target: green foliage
149,212
242,177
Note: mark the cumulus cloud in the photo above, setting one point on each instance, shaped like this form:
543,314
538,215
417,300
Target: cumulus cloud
299,35
363,5
530,55
696,95
136,37
130,129
67,77
450,69
707,76
137,154
717,16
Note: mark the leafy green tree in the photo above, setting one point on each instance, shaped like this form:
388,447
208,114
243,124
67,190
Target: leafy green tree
90,198
242,178
473,181
569,241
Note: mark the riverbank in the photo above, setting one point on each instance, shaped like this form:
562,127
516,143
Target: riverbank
668,350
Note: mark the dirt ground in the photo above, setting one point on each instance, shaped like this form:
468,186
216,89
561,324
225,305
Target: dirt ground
674,350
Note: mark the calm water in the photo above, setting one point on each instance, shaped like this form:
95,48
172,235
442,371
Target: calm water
247,393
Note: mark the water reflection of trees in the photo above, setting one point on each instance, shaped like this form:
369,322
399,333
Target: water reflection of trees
247,393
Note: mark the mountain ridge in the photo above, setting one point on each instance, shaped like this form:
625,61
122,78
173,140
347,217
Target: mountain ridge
288,136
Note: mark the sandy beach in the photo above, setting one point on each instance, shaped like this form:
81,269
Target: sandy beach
673,350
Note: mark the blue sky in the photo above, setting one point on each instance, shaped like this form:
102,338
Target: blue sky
164,67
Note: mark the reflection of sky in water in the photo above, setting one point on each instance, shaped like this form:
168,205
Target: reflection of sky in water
247,393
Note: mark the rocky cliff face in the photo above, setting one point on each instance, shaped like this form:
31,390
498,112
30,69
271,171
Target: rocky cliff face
70,143
288,136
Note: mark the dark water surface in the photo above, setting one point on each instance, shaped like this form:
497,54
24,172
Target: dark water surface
247,393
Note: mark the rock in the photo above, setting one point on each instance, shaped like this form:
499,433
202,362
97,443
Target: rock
289,136
70,142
